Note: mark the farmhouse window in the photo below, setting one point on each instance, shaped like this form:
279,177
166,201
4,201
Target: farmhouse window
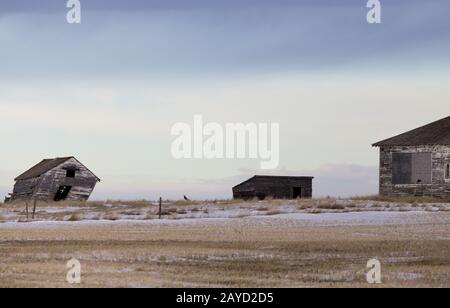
70,173
411,168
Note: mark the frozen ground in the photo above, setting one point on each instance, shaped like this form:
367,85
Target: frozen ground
315,209
324,219
279,250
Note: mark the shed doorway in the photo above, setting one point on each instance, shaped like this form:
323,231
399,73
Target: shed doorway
297,193
62,193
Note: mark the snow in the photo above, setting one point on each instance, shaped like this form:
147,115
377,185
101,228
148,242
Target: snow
321,211
335,219
352,218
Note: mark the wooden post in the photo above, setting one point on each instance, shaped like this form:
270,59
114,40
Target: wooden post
26,209
160,208
34,208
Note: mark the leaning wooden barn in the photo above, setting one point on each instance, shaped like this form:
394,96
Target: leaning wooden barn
277,187
417,162
55,179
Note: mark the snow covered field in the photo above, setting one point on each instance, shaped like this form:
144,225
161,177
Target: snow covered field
147,211
324,219
257,244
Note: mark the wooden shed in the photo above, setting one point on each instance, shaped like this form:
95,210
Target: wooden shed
56,179
277,187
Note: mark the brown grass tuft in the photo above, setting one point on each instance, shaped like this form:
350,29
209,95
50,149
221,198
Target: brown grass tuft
73,217
273,212
315,211
331,206
111,217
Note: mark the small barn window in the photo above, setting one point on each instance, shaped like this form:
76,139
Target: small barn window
447,171
70,173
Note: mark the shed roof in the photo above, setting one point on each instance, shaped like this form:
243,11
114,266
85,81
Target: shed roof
275,177
45,166
436,133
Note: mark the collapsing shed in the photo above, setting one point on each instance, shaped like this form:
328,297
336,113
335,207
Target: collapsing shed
277,187
56,179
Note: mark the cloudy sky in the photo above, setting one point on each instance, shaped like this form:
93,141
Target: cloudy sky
108,91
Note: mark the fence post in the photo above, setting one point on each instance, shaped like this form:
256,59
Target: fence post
160,207
26,209
34,208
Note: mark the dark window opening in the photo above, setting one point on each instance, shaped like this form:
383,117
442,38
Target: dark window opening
411,168
447,172
70,173
62,193
297,193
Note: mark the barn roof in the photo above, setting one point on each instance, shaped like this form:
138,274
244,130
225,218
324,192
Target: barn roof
274,177
436,133
43,167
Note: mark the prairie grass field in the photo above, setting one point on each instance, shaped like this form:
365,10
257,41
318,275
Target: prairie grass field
143,210
253,244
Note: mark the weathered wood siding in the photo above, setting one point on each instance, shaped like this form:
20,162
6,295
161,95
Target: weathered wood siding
275,187
46,186
439,187
25,189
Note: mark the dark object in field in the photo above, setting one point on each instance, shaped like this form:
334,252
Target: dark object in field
56,179
277,187
8,198
186,198
417,163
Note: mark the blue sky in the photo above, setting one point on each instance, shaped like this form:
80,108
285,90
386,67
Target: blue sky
110,89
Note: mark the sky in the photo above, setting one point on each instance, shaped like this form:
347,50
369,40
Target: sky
109,90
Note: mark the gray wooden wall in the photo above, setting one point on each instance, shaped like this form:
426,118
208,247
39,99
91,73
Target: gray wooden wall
45,187
278,188
438,186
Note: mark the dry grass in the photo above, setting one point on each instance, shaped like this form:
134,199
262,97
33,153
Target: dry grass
73,217
273,212
240,253
331,206
326,203
315,211
145,210
241,215
110,217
